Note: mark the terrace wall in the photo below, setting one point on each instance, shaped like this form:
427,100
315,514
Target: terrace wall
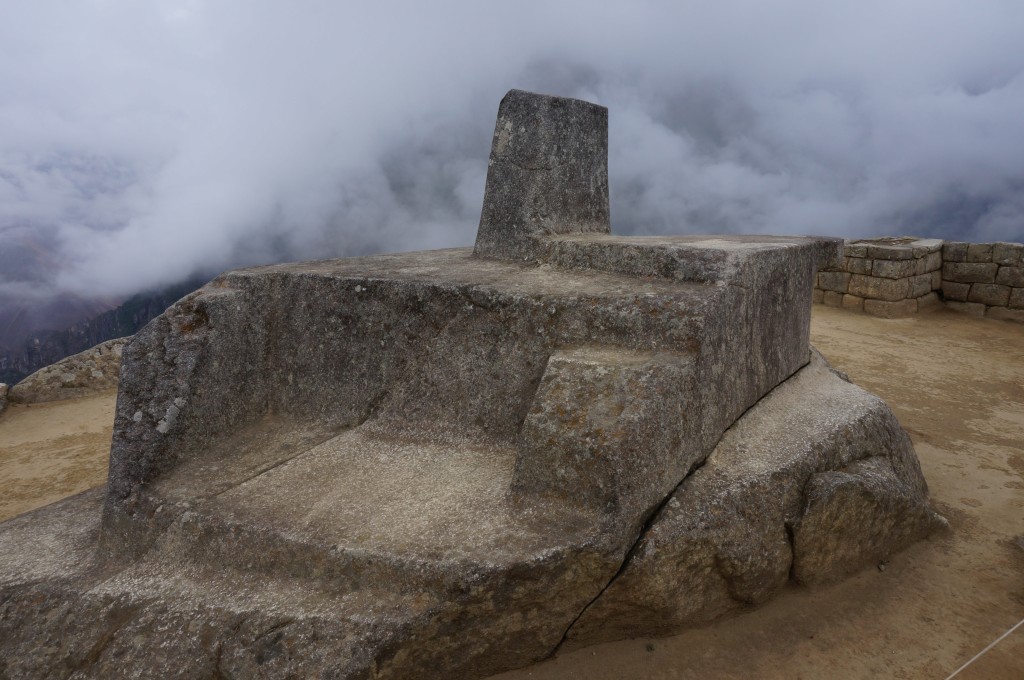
896,277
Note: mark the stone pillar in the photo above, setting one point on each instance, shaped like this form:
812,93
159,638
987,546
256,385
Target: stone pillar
547,174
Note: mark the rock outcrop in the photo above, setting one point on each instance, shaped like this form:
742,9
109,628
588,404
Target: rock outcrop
437,464
94,370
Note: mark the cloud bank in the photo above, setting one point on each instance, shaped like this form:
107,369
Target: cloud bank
141,143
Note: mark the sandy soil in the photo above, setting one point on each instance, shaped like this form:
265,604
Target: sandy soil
957,385
52,450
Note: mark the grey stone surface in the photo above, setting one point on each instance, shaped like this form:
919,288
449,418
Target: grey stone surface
920,285
833,298
989,294
928,263
1016,299
94,370
1010,254
429,466
3,396
547,173
879,288
859,265
925,247
890,252
834,281
855,249
955,251
894,269
979,252
1011,276
970,272
928,300
753,517
955,291
859,515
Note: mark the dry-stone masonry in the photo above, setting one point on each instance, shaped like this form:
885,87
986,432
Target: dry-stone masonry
899,276
445,464
887,277
984,279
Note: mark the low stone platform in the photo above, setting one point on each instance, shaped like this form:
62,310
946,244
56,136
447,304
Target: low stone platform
899,276
888,277
447,463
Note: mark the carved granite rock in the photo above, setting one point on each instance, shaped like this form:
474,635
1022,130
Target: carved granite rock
816,481
431,464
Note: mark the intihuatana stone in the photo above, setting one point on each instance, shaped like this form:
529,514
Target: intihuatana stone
435,464
547,174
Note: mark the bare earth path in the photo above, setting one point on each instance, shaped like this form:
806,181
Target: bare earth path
956,383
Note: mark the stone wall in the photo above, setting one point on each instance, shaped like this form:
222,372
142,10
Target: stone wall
888,277
984,279
896,277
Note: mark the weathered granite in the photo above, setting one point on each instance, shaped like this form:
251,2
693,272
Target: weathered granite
757,514
547,174
970,272
430,464
989,294
94,370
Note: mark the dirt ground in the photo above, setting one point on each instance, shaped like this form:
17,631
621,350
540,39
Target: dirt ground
52,450
957,385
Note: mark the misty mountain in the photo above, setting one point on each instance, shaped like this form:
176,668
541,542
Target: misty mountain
44,347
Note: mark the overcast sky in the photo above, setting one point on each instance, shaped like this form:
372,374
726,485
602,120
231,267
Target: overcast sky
143,141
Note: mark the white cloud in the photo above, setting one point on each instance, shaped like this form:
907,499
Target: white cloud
155,139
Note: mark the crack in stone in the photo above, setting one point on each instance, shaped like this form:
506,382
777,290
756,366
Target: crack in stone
644,530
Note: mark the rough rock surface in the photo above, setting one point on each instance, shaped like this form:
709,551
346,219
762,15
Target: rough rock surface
94,370
4,389
816,481
547,173
428,464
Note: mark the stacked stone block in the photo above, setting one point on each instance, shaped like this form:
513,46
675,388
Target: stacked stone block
984,279
888,277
